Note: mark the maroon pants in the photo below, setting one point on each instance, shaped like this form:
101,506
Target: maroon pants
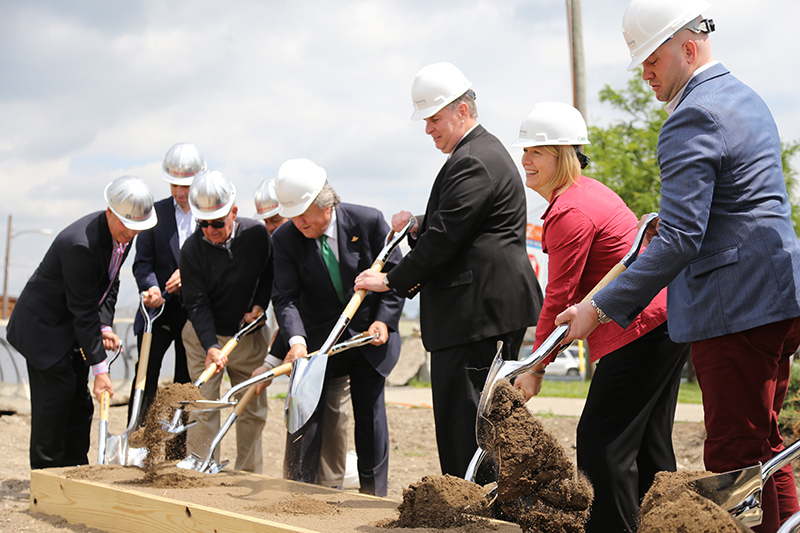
744,377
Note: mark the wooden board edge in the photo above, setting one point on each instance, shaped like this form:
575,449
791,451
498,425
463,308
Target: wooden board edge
118,510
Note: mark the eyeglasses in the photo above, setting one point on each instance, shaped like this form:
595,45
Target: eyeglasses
216,224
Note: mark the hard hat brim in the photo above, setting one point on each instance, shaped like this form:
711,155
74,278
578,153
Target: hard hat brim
138,225
295,210
528,143
271,213
169,178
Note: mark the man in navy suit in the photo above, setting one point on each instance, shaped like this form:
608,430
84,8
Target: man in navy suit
156,269
62,321
725,245
309,297
468,262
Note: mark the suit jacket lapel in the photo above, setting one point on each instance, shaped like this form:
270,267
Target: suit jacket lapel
349,235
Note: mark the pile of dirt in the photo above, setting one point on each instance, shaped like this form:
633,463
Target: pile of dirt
152,434
671,505
441,502
538,486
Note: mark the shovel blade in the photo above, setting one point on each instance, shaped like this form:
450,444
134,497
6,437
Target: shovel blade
194,462
305,384
738,492
118,452
483,428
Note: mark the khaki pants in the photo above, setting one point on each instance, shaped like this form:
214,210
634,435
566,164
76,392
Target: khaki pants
333,456
246,357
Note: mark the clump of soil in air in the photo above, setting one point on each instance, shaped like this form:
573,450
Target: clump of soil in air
441,502
671,505
152,434
538,486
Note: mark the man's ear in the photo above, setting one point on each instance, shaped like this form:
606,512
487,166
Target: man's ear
689,50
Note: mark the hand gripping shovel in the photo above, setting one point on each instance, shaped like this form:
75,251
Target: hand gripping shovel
102,430
739,491
502,369
209,466
117,450
176,427
305,382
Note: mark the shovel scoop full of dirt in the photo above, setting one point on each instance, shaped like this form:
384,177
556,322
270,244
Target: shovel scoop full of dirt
671,505
538,486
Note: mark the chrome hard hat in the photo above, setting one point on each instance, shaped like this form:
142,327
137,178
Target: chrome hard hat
552,123
130,199
434,87
211,195
182,163
297,185
266,201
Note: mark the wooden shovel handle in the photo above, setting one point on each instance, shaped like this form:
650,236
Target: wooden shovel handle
615,271
105,400
358,296
212,368
144,359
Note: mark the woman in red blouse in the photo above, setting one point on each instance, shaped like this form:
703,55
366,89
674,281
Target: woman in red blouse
625,431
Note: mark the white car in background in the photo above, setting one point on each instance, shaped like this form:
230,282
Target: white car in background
567,363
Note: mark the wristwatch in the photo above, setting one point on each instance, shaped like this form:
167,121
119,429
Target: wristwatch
386,281
601,316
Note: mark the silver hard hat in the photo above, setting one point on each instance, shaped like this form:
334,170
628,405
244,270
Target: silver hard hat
211,195
266,202
182,163
130,199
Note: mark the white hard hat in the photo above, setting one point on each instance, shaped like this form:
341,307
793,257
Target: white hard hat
211,195
434,87
552,123
182,163
297,185
266,201
647,24
130,199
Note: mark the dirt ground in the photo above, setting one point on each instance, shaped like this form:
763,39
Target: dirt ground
413,456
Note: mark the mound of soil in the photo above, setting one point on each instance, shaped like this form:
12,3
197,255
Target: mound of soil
538,486
671,505
441,502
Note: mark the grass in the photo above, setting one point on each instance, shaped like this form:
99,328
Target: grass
688,393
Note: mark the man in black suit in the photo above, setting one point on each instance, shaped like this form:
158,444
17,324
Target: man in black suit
157,274
309,296
62,321
468,260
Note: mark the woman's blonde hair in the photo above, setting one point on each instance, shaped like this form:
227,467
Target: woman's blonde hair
568,167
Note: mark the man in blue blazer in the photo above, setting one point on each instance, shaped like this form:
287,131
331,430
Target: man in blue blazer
62,321
156,269
308,301
725,244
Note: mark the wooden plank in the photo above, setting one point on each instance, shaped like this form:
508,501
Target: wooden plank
119,510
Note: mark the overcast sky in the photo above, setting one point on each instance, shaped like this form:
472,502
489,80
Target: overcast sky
92,90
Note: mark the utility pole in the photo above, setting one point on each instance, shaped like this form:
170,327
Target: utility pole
4,313
575,26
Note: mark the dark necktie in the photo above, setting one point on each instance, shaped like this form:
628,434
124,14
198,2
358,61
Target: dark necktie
333,267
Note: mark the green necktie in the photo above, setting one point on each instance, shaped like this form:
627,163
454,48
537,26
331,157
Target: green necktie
333,267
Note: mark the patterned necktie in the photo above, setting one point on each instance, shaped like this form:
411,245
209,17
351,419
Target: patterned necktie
333,267
113,266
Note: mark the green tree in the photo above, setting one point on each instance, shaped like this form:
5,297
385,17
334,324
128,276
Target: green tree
624,153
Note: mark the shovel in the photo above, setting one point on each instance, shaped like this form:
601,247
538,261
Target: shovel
502,369
117,450
176,427
102,430
305,382
739,491
209,466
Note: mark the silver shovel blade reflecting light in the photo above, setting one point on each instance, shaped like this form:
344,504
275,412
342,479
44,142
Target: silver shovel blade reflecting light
301,401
